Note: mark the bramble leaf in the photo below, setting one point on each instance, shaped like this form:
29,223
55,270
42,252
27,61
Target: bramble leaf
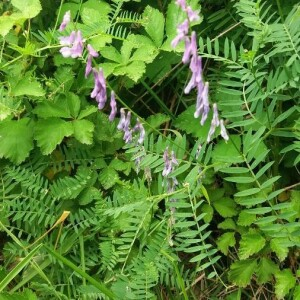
225,241
50,132
29,8
285,281
250,244
16,139
266,268
83,131
241,271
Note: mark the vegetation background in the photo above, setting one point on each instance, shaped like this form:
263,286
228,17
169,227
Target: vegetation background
168,215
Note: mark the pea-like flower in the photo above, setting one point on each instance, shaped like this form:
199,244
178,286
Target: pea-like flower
99,91
223,131
113,105
182,31
66,20
139,127
73,45
91,53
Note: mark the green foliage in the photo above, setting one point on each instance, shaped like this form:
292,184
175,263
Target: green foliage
84,216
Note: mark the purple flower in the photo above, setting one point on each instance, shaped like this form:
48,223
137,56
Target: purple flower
181,3
66,21
139,127
127,131
196,78
182,31
99,91
73,45
122,119
223,131
190,48
91,53
113,105
192,15
214,122
170,162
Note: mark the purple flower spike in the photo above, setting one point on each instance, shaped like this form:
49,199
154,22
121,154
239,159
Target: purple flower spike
113,105
223,131
205,103
99,91
91,53
66,21
122,119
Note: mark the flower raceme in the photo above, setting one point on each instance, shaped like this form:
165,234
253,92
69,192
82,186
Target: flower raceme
73,46
191,56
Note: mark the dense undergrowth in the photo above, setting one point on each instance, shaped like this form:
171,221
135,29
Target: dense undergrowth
152,204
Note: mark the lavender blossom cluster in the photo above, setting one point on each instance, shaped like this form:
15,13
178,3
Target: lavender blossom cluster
191,56
73,46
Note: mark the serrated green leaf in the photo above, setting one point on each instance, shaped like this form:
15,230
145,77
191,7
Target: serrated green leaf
250,243
29,86
226,207
285,281
50,132
228,152
227,224
16,139
134,70
225,241
246,219
108,177
209,212
281,247
87,111
154,24
6,23
241,272
266,268
155,121
83,131
186,122
28,8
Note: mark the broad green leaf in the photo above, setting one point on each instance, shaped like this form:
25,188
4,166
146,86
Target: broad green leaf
156,120
209,212
83,131
246,219
281,247
56,108
228,152
134,70
154,24
226,207
296,294
108,177
27,85
186,122
28,8
241,272
250,243
87,111
285,281
24,295
225,241
16,139
228,223
266,268
6,23
50,132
